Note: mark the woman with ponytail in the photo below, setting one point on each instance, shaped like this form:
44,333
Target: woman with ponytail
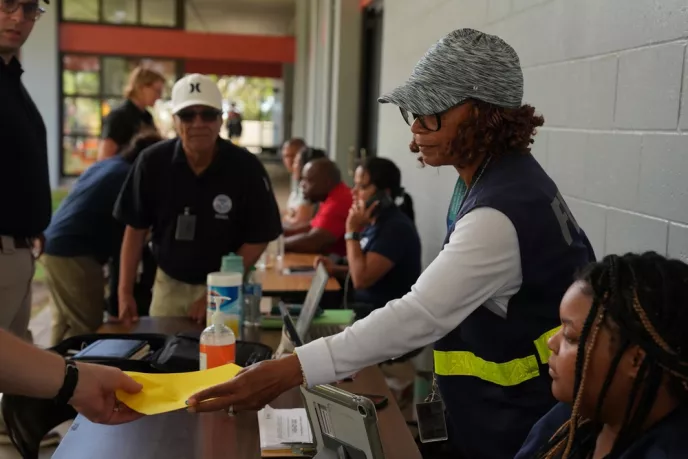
619,364
382,244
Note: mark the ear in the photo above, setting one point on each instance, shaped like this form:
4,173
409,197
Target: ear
632,360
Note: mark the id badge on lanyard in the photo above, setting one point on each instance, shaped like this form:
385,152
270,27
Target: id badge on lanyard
431,418
186,226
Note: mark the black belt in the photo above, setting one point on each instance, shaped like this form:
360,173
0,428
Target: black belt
19,242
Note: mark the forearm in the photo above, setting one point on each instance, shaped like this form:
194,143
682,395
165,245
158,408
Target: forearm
296,228
251,253
364,343
357,263
130,257
27,370
303,243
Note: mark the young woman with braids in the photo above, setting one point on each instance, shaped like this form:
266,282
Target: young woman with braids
490,299
619,364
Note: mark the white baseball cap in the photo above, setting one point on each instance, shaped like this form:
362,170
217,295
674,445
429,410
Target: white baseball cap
195,89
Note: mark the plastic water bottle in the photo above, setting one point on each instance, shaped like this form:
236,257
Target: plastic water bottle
253,292
218,344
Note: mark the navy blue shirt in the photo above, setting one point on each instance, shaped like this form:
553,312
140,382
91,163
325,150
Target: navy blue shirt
664,440
84,225
394,236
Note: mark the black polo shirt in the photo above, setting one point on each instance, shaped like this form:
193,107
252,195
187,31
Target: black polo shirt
124,122
24,182
232,200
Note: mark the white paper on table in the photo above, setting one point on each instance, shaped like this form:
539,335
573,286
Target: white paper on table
279,429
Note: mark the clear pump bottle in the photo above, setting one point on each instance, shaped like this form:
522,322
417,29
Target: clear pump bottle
217,344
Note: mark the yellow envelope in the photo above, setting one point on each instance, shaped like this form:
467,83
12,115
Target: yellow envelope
163,392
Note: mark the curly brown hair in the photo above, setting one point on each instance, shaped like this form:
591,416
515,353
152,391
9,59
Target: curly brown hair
495,130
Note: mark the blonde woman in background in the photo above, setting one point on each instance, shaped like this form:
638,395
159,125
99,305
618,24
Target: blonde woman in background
144,88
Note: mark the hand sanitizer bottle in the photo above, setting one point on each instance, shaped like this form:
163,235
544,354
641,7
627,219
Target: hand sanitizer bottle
218,344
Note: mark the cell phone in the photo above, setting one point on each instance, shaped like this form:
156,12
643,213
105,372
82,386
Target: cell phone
299,269
383,201
291,330
432,424
380,401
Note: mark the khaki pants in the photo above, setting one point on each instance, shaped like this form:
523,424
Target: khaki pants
77,286
16,274
173,298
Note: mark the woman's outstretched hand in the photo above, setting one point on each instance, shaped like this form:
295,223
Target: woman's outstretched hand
252,389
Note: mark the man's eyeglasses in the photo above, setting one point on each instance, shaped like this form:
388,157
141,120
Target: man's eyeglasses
31,10
208,116
429,122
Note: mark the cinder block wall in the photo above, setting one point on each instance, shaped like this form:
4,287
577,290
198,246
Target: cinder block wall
611,79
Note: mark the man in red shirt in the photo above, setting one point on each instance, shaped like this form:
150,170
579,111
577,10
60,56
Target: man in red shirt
321,182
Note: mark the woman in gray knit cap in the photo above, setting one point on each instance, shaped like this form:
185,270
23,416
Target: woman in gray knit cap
489,301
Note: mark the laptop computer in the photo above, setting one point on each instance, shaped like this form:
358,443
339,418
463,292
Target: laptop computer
305,329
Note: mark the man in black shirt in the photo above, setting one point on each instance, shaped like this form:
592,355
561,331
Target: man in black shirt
24,182
24,172
202,196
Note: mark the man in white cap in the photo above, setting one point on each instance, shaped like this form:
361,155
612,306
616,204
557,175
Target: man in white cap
202,197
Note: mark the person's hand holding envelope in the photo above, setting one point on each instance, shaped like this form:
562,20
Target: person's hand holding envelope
163,392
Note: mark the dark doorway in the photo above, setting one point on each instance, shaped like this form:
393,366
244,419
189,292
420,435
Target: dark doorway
370,73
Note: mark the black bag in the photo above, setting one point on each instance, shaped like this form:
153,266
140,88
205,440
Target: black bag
29,419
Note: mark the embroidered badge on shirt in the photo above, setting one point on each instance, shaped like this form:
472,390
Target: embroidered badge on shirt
222,205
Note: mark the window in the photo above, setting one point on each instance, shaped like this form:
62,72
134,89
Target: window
92,86
259,103
120,11
160,13
81,10
147,13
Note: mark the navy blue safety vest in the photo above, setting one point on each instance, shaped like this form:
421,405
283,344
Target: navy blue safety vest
491,371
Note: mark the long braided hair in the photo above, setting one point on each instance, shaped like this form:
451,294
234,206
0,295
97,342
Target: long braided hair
644,300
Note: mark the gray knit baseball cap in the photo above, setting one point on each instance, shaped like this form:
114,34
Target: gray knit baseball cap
466,64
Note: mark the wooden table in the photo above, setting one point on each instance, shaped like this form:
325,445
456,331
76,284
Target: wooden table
275,283
182,435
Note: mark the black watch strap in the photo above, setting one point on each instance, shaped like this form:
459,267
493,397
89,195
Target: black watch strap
71,378
352,236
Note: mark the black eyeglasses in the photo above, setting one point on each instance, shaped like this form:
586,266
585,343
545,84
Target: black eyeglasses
31,10
207,116
430,122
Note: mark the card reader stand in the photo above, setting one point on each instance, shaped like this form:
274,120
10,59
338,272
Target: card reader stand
334,449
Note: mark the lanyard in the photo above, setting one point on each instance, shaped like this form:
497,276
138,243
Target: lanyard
461,192
456,200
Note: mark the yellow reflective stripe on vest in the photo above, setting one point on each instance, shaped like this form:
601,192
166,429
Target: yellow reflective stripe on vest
541,344
464,363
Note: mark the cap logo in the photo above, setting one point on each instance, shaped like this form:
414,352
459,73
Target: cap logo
195,87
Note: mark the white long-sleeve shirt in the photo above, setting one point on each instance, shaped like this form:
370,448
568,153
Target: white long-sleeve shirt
480,265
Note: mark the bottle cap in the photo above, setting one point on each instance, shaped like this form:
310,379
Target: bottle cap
232,263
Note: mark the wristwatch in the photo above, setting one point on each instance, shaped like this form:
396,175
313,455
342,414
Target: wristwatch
71,378
354,236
